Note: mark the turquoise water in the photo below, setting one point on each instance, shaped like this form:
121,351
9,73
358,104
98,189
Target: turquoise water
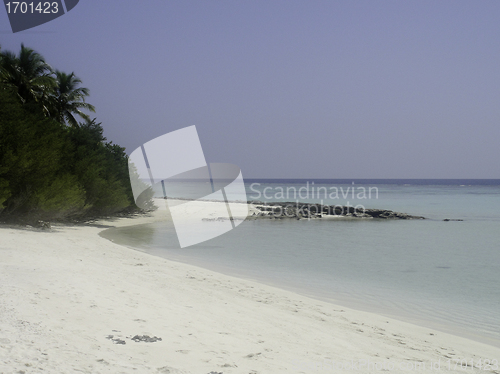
444,275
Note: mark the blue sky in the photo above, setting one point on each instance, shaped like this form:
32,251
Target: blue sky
293,89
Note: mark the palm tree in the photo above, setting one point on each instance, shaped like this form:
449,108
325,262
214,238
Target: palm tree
3,73
28,75
69,99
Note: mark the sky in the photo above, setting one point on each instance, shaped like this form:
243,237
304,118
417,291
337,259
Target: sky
292,89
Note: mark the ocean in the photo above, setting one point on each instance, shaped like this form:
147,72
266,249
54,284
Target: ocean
441,274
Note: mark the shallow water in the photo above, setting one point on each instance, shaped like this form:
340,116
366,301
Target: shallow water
444,275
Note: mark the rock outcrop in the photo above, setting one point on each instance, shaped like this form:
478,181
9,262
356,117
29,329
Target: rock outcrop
308,210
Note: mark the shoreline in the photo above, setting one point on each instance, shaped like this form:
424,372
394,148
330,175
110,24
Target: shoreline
65,292
338,301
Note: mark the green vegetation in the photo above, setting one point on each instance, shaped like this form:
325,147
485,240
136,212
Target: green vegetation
51,165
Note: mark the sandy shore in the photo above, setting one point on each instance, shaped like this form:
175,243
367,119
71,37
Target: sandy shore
69,299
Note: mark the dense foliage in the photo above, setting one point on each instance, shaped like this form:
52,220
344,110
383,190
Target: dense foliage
51,165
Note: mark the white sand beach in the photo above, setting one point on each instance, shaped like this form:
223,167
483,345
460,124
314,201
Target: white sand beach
68,298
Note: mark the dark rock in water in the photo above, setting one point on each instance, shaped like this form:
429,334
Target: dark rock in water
255,202
361,215
312,211
146,339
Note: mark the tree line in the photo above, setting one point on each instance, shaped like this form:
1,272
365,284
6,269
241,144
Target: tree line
55,162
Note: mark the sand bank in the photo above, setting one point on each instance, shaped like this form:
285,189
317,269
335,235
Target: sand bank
71,301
